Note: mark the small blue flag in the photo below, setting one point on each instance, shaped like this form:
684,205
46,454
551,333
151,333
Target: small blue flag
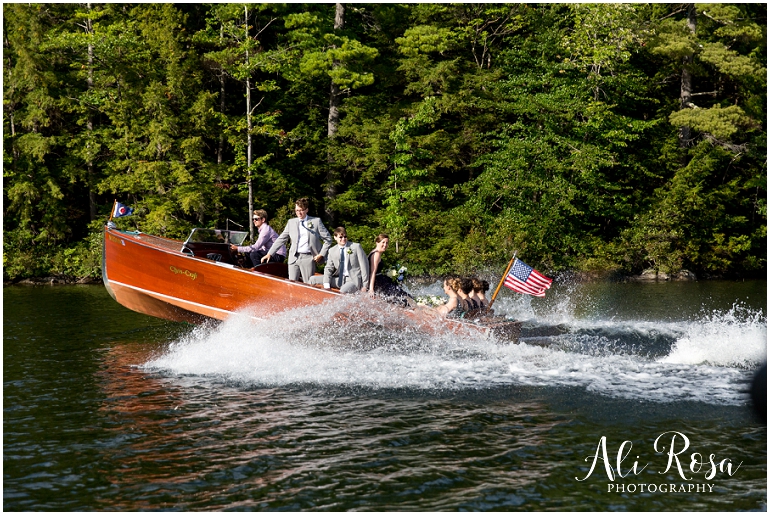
121,210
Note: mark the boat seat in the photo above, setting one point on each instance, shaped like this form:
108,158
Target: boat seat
219,252
275,269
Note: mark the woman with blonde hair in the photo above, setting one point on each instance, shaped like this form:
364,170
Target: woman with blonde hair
453,307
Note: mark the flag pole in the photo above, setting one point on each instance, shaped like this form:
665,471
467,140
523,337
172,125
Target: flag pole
115,201
505,274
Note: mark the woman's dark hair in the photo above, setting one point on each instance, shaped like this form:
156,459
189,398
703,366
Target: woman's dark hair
479,285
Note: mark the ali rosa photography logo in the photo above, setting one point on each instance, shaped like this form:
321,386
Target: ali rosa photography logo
693,471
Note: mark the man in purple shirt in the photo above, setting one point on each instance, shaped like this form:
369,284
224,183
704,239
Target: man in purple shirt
267,237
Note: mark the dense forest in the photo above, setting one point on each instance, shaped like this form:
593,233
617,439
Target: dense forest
589,138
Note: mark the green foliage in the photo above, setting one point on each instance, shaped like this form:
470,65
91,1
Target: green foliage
602,36
425,39
466,131
722,123
84,259
696,220
732,63
673,40
408,185
342,60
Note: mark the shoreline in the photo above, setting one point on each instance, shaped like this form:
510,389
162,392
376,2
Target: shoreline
648,276
53,281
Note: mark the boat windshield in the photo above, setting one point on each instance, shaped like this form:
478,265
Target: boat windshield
217,236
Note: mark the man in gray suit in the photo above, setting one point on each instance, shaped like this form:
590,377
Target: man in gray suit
347,267
310,242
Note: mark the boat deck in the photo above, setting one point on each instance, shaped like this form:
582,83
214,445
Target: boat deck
157,241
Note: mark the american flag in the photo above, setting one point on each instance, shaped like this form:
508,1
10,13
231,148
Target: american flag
525,279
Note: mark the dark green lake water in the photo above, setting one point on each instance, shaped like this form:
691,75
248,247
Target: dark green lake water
105,409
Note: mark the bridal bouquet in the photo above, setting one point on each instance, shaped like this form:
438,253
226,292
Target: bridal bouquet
396,274
431,301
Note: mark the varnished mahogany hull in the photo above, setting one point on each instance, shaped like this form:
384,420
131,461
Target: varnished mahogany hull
144,274
152,275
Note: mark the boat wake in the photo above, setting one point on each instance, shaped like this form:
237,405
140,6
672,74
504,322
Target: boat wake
709,359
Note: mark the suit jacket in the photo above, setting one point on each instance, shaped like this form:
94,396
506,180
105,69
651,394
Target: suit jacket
318,237
357,264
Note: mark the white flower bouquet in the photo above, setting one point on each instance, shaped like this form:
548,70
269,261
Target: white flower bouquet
397,273
431,301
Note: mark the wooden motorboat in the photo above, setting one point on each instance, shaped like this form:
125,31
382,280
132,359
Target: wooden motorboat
200,279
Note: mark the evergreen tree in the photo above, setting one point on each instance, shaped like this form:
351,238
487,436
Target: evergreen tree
38,214
593,137
710,215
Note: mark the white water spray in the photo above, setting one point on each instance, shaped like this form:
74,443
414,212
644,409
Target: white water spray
707,360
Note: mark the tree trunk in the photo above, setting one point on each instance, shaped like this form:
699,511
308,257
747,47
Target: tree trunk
248,129
685,133
334,97
221,146
333,123
91,179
